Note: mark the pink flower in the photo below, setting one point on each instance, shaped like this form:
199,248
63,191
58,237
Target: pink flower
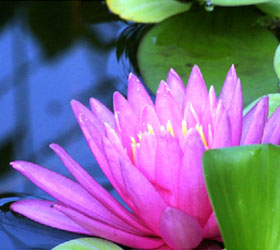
152,155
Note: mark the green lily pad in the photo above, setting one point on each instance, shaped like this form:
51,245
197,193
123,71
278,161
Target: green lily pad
212,40
147,11
87,244
235,2
243,184
274,103
276,61
272,8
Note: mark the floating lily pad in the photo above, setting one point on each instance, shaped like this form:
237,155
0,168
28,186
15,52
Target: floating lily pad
274,103
243,184
87,244
212,40
147,11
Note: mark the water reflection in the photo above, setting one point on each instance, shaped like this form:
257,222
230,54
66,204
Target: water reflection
50,53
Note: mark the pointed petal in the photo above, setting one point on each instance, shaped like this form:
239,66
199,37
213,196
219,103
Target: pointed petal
254,122
168,153
176,86
196,92
137,95
149,118
228,89
96,190
93,131
128,121
179,230
192,190
231,95
147,201
145,156
44,213
222,129
168,109
211,229
80,110
108,232
68,192
271,132
102,112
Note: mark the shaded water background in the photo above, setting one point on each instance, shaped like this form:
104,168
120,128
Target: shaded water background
51,53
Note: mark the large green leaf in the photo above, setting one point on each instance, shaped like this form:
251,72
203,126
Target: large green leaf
87,244
244,188
147,11
274,103
212,40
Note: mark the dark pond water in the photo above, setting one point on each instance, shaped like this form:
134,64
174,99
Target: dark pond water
51,53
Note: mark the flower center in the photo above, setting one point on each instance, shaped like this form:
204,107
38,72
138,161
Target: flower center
136,144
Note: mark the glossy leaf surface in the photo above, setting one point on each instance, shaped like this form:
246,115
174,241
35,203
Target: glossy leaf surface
147,11
213,40
243,183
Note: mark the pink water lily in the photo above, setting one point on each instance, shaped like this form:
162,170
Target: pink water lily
152,155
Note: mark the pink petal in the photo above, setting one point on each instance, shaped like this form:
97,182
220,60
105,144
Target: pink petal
231,96
196,92
106,231
80,110
168,160
168,109
211,229
179,230
44,213
148,204
145,156
176,86
190,116
102,112
137,95
93,134
96,190
128,121
228,89
68,192
222,128
254,122
149,117
193,196
271,132
113,157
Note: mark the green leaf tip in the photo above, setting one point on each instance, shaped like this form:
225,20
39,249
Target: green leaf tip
87,244
243,184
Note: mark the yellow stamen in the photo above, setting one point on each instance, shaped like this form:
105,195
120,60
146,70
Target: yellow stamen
169,128
139,137
150,129
184,127
133,148
200,131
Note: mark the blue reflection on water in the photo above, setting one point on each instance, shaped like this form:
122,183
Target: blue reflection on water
35,96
